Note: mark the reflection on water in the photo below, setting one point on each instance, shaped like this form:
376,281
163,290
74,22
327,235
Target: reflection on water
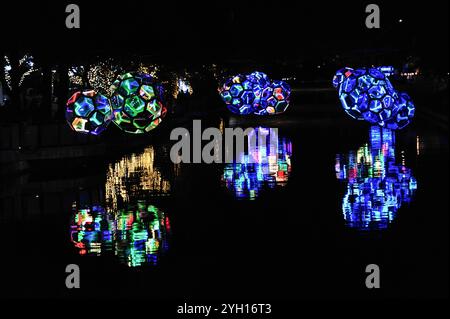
91,230
134,176
376,185
264,165
127,226
137,234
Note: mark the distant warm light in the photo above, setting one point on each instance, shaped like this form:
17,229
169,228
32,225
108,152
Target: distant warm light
417,145
134,176
26,67
184,87
410,75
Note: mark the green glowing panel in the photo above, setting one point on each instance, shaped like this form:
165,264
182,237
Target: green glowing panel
134,105
147,92
129,86
154,108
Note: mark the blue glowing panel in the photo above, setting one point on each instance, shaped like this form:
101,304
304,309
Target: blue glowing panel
376,185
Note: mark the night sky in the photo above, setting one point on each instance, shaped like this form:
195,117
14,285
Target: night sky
227,30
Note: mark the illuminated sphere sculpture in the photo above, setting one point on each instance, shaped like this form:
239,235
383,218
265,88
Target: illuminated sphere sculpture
256,94
137,103
88,112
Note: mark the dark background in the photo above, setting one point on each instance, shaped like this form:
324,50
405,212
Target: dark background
190,30
226,248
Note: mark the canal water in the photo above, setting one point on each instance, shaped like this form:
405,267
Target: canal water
302,221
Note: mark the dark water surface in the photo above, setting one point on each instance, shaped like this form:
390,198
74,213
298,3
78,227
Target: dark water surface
335,197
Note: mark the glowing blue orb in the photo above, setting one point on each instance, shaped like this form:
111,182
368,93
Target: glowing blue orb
255,94
367,94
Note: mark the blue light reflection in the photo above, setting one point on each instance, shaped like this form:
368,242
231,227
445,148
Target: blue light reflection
376,185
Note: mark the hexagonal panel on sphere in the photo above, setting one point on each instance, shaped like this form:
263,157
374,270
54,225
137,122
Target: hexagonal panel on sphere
403,112
340,76
137,102
274,99
238,94
365,94
88,112
259,78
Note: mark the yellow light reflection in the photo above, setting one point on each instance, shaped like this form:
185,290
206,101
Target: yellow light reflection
133,175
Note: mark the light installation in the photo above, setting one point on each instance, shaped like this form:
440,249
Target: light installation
255,93
137,234
264,165
376,185
367,94
88,112
137,103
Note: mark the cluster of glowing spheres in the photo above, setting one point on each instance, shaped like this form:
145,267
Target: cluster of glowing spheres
376,185
136,106
137,102
137,234
88,112
266,165
367,94
255,93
